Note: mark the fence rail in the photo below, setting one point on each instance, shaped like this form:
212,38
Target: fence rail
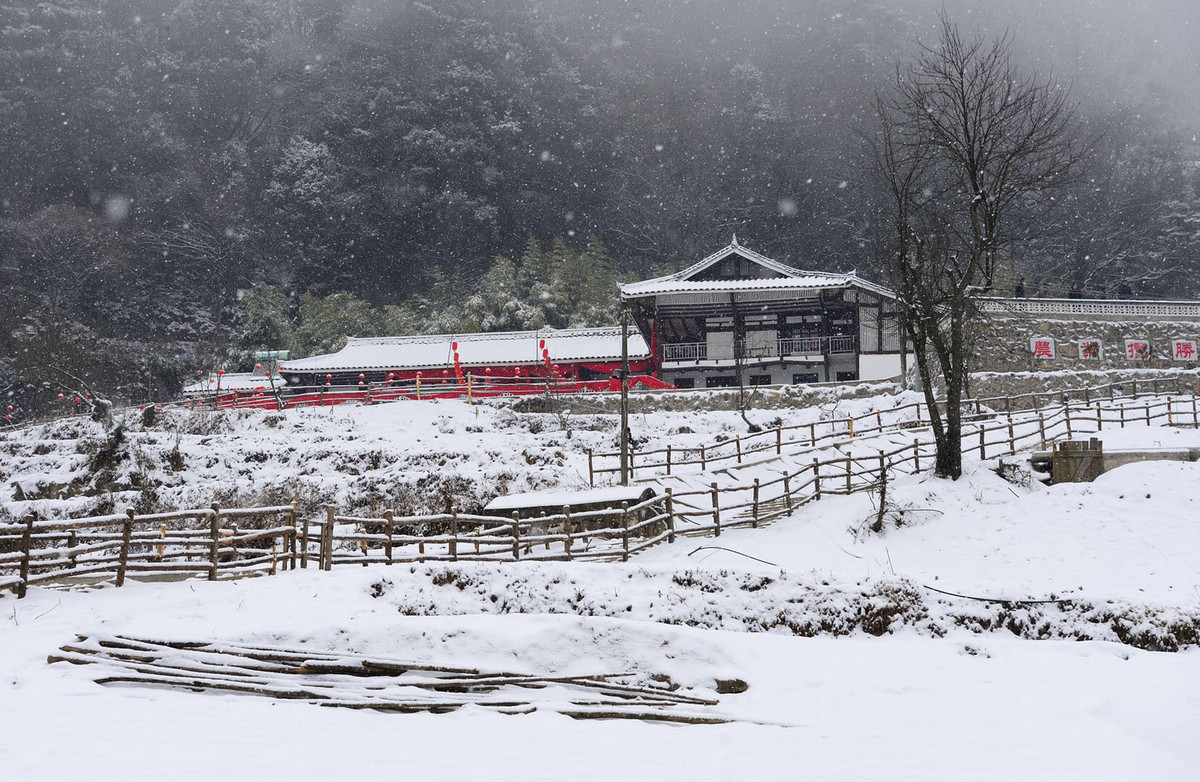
803,437
209,541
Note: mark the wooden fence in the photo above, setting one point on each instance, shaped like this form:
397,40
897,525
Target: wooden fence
209,541
157,545
786,439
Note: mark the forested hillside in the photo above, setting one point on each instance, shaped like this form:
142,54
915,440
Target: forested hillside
185,180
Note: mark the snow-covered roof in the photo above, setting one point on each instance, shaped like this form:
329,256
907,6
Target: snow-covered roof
232,381
791,278
555,498
495,349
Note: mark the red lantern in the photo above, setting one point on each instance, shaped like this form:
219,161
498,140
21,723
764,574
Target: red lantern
78,401
198,373
257,367
9,408
546,353
362,377
61,397
454,346
220,372
327,385
328,378
541,344
361,384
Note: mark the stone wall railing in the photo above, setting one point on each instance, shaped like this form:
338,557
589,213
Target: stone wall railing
1106,308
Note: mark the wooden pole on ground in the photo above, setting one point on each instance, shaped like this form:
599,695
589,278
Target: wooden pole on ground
779,439
816,478
787,491
591,469
567,530
670,516
327,540
387,531
716,510
738,442
453,535
26,554
1099,419
849,476
1012,441
754,506
516,536
668,458
624,531
214,542
304,544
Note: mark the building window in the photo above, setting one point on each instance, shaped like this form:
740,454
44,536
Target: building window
685,382
760,380
844,376
806,377
720,381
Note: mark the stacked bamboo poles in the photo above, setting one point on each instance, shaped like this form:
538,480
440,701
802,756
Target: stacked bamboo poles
353,681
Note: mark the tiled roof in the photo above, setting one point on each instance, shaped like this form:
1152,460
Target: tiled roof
793,278
495,349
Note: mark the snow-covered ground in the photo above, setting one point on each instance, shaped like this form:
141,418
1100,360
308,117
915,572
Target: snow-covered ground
857,668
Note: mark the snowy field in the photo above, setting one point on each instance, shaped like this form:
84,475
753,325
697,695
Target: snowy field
859,665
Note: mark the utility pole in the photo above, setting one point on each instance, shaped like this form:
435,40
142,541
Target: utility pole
624,393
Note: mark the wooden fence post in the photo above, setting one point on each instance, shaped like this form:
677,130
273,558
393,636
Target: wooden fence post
779,439
668,458
878,420
1112,392
1169,417
591,469
703,460
882,467
1122,411
754,506
1099,419
816,478
849,477
737,438
624,531
453,545
787,492
982,445
812,434
1133,385
1195,418
304,544
567,529
1147,414
290,558
850,426
916,455
516,536
1012,442
26,554
72,542
670,516
1067,413
716,505
387,531
1042,430
327,540
470,390
1087,395
214,543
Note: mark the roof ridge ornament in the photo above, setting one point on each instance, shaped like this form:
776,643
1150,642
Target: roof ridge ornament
734,242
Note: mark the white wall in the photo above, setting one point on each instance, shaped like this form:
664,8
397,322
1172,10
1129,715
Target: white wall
881,366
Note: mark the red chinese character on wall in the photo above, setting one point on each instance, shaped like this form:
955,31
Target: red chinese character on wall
1185,349
1043,348
1089,349
1137,349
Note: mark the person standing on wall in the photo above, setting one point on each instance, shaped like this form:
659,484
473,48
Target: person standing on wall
1124,290
1019,290
1076,292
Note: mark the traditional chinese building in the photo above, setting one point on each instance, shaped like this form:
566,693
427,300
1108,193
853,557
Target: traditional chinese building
739,317
1080,334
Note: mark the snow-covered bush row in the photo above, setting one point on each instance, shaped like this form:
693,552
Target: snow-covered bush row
803,605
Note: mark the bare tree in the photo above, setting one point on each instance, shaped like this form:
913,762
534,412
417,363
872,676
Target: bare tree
965,144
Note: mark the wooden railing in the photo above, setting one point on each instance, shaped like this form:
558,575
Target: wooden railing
794,438
204,541
208,542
